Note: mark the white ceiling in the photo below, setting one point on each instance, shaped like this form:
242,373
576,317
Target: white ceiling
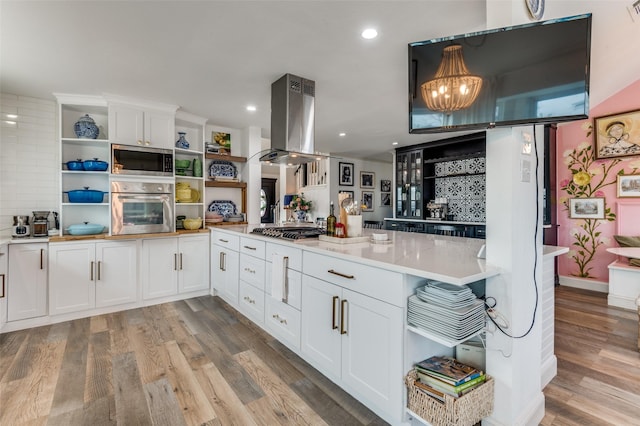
213,58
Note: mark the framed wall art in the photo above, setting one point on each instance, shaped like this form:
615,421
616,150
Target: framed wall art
385,198
586,208
367,180
345,171
617,135
628,186
367,201
385,185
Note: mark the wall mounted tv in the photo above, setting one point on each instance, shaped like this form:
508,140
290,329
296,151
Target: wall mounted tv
532,73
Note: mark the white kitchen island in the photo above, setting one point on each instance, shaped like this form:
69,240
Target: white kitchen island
348,302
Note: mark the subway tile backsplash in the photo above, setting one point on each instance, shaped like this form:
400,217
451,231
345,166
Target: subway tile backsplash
463,183
29,157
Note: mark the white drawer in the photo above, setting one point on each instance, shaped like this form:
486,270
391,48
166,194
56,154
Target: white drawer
252,271
294,254
252,247
375,282
294,285
251,302
223,239
283,322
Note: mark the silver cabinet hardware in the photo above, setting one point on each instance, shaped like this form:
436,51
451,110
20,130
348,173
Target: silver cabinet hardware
277,317
175,261
250,300
181,261
223,266
249,270
250,248
340,274
41,258
91,270
3,283
224,241
99,269
334,326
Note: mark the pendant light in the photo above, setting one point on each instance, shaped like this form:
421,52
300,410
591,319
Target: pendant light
453,87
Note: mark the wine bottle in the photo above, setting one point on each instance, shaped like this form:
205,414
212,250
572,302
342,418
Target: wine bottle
331,222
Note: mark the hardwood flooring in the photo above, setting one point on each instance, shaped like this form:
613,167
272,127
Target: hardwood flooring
198,362
193,362
598,381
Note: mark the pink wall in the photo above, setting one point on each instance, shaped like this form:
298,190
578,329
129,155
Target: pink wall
570,137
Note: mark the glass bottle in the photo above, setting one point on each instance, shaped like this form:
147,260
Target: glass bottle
331,222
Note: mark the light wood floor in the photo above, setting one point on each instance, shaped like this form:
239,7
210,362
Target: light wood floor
183,363
193,362
598,381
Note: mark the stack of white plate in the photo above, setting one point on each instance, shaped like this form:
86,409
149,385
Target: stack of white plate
451,311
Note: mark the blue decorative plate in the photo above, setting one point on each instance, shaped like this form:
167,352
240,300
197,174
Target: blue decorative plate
223,207
222,168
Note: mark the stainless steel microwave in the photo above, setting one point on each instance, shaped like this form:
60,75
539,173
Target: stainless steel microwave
138,160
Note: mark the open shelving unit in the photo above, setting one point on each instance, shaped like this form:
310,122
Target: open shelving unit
242,186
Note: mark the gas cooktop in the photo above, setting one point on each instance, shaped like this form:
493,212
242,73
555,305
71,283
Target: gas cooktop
290,232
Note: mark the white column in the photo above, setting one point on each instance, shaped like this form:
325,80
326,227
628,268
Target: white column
513,216
252,141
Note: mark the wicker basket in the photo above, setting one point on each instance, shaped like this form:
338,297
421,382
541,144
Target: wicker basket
466,410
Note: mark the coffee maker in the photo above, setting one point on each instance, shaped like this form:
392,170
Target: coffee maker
21,227
40,224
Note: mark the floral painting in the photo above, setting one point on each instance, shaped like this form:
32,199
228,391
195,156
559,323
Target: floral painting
589,176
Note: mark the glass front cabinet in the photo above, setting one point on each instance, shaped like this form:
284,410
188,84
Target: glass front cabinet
409,184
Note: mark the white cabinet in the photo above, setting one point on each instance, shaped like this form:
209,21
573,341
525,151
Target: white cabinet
354,339
134,125
4,254
175,264
91,275
27,284
193,263
252,274
225,263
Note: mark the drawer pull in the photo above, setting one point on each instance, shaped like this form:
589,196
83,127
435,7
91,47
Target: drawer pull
250,300
340,274
334,326
277,317
251,271
250,248
224,241
343,304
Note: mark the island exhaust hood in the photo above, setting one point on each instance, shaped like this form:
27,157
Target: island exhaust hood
292,122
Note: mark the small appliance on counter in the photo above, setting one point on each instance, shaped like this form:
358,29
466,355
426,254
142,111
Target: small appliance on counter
21,228
40,224
437,208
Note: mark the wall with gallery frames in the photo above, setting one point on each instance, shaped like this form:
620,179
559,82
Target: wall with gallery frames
577,234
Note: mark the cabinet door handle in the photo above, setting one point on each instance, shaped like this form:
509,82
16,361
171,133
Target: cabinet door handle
2,275
99,269
285,290
334,326
139,142
147,143
41,258
181,261
175,261
224,241
223,266
250,248
91,270
343,304
340,274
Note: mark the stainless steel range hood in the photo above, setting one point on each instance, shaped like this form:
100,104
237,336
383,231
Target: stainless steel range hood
292,122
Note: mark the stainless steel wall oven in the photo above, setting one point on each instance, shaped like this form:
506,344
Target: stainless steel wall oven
141,208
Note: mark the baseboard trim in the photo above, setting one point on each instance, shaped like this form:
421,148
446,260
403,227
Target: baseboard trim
585,284
622,302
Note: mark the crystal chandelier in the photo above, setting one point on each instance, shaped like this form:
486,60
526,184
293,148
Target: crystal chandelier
453,87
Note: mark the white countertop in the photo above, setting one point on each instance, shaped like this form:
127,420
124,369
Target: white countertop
437,257
632,252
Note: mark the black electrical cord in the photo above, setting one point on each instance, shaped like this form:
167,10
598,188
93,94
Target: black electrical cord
535,256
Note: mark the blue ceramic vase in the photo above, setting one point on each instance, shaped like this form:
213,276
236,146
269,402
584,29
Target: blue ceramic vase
85,127
182,142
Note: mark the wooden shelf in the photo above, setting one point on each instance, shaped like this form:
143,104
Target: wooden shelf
222,184
226,223
232,158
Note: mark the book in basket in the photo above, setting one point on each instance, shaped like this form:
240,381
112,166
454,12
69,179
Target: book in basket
448,370
447,388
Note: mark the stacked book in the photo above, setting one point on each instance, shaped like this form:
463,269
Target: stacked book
442,375
451,311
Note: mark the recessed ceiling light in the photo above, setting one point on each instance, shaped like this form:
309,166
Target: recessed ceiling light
394,143
369,33
11,115
342,134
251,108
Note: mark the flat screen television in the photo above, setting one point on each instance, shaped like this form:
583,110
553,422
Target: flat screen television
532,73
